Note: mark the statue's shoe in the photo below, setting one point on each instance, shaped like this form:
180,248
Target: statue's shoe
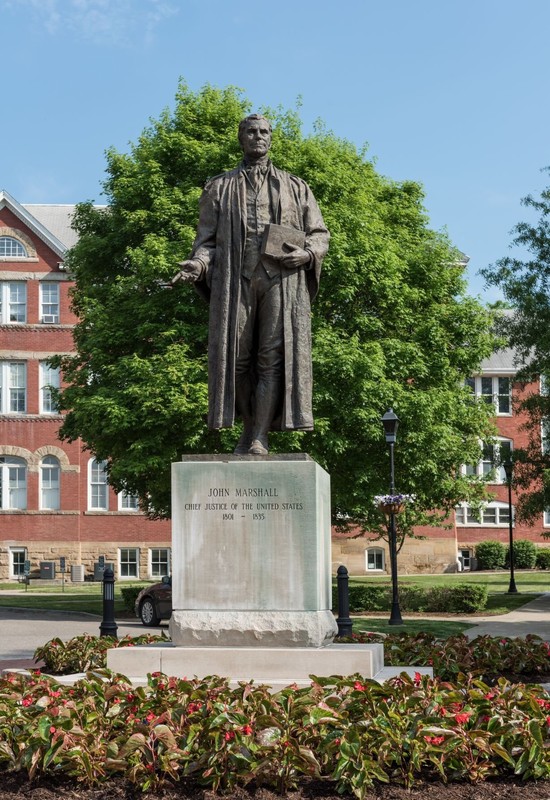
258,448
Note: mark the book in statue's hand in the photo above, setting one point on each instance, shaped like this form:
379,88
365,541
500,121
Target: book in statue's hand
279,240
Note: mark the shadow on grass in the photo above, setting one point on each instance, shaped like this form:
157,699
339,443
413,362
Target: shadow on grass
439,627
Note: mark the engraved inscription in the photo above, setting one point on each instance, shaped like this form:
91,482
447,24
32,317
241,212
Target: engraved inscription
225,501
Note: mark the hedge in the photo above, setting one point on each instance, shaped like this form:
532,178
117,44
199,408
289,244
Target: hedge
462,598
129,594
490,555
543,558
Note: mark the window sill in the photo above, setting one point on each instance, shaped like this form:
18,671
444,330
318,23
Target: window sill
99,512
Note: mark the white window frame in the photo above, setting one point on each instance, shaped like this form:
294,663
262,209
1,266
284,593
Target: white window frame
128,502
50,484
499,511
13,483
13,302
12,248
49,302
98,487
378,554
13,387
50,378
151,562
126,563
491,468
465,558
488,387
13,551
546,519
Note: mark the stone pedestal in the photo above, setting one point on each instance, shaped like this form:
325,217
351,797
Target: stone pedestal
251,584
251,552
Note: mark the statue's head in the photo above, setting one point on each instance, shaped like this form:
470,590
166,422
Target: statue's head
255,136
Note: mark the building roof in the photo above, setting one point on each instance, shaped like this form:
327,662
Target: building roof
502,362
56,219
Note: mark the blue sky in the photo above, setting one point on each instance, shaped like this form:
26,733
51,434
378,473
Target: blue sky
451,94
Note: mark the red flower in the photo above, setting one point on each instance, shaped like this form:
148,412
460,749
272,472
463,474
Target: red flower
247,730
434,739
417,678
463,717
26,701
359,687
548,720
150,716
52,729
229,736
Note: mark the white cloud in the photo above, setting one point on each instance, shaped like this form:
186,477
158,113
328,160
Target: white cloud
109,22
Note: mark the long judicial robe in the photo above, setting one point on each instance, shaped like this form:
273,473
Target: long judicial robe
219,246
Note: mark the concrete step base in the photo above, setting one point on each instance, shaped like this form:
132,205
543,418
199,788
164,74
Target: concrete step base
274,666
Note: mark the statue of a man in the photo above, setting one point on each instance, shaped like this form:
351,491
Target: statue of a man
260,288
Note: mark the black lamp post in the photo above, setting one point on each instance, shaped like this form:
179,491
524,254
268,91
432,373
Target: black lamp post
390,421
508,467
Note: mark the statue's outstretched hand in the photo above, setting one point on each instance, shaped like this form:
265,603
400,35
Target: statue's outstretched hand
190,272
296,257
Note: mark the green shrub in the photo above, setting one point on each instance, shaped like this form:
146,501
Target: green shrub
490,555
543,558
525,554
364,597
129,594
461,598
85,652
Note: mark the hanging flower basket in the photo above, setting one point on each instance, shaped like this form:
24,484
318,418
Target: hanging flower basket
392,503
391,508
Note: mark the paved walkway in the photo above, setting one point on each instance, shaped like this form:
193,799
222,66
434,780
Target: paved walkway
533,617
23,630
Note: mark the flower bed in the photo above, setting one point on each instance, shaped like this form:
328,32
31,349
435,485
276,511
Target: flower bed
349,733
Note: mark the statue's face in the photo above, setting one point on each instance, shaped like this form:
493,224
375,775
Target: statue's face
255,138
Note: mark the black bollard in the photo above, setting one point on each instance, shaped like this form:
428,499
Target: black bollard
108,625
345,625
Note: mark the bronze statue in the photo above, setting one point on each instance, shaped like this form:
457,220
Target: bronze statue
257,260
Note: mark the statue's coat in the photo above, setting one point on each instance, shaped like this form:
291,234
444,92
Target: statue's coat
219,246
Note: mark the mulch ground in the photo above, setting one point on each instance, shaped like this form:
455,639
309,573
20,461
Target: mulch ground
14,786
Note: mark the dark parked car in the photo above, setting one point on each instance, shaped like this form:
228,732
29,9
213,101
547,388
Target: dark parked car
155,602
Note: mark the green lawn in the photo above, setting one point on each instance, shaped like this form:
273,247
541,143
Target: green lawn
85,597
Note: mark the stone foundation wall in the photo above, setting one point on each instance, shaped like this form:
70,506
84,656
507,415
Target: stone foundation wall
435,555
87,555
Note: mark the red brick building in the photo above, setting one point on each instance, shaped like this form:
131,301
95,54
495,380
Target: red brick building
453,549
54,498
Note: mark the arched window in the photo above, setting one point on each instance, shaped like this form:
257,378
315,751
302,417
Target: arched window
10,247
50,473
374,559
13,483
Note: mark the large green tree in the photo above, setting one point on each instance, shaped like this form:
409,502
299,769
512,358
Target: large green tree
392,325
524,278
